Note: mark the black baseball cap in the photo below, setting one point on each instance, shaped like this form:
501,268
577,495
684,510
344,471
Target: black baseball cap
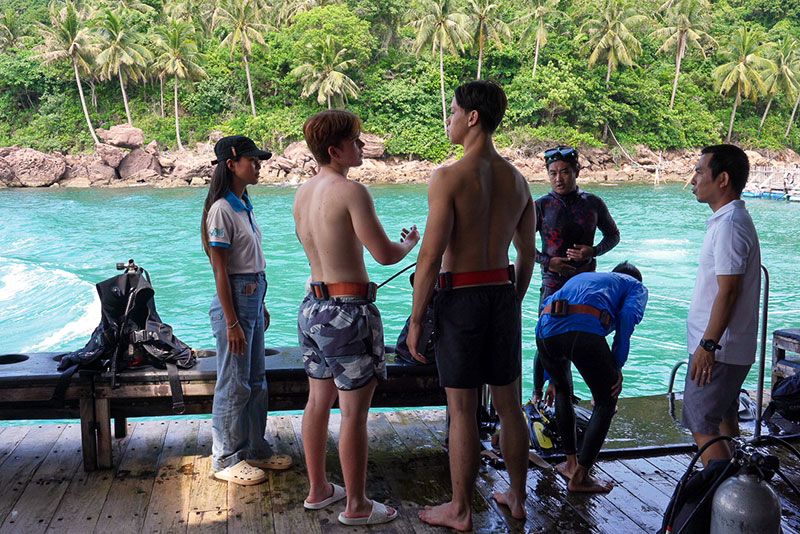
235,146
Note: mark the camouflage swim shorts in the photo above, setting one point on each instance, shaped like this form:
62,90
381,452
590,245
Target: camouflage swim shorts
342,338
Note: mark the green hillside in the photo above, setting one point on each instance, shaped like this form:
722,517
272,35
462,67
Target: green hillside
576,71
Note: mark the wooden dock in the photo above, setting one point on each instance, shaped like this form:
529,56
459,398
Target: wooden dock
160,483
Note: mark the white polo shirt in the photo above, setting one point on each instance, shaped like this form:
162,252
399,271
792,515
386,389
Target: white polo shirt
231,224
730,247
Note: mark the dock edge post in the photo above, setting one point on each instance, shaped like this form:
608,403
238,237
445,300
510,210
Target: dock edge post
763,359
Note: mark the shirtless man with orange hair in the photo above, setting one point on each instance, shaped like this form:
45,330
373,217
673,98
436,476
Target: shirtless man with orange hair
339,327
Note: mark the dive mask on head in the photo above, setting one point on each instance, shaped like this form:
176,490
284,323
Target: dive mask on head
561,153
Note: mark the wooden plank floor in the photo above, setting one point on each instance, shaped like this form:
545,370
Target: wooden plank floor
161,483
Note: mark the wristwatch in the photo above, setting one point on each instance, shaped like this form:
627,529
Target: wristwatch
710,345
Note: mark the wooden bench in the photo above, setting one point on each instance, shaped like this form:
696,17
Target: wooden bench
27,383
783,341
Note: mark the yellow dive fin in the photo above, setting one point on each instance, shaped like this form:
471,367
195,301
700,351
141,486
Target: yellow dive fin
544,441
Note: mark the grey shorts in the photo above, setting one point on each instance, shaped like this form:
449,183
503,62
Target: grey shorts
342,338
704,407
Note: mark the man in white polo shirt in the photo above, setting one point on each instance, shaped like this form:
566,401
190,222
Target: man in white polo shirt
723,315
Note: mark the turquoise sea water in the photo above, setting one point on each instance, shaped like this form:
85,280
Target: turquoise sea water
56,244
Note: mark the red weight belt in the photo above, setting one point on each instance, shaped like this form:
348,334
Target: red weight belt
341,289
475,278
579,308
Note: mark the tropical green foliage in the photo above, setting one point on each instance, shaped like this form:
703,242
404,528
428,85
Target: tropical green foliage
486,24
783,76
11,30
178,58
67,37
441,28
685,24
323,73
534,23
663,73
241,20
120,53
742,74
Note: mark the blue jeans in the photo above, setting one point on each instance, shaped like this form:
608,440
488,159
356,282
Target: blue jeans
239,414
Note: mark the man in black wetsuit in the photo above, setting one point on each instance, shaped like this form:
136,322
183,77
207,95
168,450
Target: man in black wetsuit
566,219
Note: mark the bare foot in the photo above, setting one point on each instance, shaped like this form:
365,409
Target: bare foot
564,470
447,515
589,484
513,502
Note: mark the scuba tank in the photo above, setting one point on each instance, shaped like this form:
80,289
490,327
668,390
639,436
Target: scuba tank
735,497
745,504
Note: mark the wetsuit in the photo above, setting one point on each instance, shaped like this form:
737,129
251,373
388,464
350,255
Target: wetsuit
579,338
564,221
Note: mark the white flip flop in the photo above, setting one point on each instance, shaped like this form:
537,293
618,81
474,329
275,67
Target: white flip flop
380,514
338,494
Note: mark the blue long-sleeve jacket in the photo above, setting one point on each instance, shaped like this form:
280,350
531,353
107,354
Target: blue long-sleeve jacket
621,295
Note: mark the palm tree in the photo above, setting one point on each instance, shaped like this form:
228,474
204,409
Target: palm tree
742,73
611,38
67,37
783,77
197,12
791,119
179,58
486,24
796,68
242,20
539,11
121,53
285,10
128,5
323,73
439,28
685,24
11,30
155,67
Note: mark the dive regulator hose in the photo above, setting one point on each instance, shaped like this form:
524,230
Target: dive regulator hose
395,275
785,444
685,478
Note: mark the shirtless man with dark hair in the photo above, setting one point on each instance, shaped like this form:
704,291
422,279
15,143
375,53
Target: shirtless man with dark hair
339,327
477,207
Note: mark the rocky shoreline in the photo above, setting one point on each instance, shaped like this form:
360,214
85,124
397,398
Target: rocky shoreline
123,160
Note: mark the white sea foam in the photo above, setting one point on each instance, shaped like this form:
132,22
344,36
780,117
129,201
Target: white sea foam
664,242
77,330
665,248
44,308
12,280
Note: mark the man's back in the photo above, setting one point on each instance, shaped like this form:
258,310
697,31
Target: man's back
325,228
489,197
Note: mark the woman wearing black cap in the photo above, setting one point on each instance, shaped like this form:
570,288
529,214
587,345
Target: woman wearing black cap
232,241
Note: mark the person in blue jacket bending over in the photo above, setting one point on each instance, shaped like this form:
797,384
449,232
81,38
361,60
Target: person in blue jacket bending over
572,328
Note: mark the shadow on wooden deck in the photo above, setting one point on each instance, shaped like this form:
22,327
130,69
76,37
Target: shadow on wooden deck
161,483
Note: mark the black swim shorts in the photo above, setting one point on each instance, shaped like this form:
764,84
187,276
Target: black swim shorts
478,336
